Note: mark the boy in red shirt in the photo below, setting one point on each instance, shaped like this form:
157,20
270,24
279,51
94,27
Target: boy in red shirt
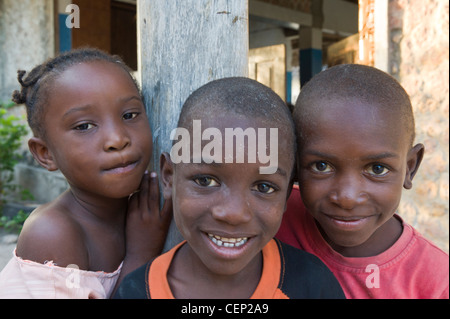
355,129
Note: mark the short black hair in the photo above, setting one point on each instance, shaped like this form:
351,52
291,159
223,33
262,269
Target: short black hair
349,82
35,85
239,95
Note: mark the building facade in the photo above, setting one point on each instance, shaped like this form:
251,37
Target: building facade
408,39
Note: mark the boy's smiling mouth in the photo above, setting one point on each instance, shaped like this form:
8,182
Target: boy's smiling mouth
228,246
227,242
348,222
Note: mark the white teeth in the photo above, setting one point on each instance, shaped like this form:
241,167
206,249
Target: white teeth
227,242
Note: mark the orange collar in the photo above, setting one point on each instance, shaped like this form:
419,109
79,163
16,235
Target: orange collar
267,288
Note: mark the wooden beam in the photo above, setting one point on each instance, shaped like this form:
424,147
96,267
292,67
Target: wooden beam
183,45
337,15
282,16
340,16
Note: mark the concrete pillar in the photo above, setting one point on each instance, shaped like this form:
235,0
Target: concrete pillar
310,42
310,53
183,45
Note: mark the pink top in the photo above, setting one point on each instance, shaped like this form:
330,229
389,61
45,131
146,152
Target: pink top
411,268
23,279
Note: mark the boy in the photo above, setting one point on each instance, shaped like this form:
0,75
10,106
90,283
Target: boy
355,129
227,207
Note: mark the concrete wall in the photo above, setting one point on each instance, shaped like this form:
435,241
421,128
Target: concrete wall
27,38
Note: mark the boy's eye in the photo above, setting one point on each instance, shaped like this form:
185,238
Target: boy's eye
84,127
206,181
129,116
378,170
321,167
264,188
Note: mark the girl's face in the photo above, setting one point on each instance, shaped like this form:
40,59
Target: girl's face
97,130
228,212
353,163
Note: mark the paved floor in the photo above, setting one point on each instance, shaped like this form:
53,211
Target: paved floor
7,245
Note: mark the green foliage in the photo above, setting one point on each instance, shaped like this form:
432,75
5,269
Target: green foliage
11,133
14,224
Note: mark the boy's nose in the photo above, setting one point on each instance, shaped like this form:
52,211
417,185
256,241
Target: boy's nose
348,193
116,138
233,209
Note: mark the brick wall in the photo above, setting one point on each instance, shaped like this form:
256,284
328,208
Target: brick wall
419,59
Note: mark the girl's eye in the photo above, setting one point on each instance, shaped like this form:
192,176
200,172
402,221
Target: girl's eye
206,181
321,167
84,127
264,188
378,170
130,116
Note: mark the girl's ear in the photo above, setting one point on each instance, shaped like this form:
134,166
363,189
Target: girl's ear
415,156
42,154
167,170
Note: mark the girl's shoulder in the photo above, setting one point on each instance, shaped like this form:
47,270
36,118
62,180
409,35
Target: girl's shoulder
51,234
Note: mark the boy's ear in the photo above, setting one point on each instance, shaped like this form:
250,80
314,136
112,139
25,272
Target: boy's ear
415,156
167,170
41,153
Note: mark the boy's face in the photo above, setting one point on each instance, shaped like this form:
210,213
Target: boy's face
97,131
353,163
228,212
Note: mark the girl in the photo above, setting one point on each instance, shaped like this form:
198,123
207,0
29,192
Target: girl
88,121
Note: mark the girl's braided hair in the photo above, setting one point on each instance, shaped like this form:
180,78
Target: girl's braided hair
36,84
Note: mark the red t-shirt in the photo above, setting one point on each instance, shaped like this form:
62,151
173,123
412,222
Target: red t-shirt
412,268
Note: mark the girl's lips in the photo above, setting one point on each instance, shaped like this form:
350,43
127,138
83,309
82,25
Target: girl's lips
122,168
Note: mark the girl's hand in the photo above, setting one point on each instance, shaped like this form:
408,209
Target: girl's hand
147,225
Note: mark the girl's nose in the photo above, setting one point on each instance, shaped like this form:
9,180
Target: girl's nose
116,138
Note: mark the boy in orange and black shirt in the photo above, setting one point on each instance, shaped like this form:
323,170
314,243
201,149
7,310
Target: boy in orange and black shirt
229,212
